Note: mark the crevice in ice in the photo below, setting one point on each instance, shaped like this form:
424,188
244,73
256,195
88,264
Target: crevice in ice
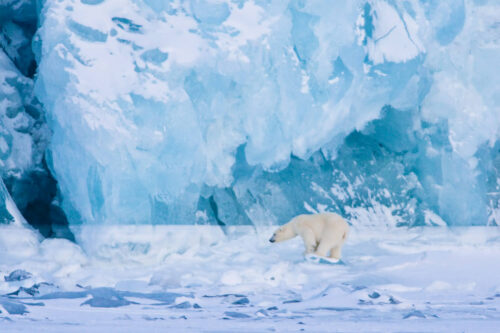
215,211
385,35
35,194
127,24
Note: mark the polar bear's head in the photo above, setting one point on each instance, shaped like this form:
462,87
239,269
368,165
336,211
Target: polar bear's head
283,233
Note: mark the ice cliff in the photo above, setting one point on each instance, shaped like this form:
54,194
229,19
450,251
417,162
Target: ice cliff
24,134
248,112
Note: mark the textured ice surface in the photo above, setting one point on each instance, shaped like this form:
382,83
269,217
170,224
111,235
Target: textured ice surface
24,133
9,213
22,140
195,278
250,112
18,20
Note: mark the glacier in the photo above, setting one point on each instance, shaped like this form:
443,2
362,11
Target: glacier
249,112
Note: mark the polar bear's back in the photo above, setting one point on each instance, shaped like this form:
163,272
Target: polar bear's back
327,218
324,224
336,221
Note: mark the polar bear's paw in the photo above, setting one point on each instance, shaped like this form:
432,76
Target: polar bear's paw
312,258
330,261
323,260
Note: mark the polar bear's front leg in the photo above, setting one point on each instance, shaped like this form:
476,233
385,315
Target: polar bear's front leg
323,249
309,241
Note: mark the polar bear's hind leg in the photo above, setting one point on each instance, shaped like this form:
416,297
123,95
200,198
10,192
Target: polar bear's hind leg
336,252
337,249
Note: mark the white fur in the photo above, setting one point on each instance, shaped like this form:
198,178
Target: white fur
323,234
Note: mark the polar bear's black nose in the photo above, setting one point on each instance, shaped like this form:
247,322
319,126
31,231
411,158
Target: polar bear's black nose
272,239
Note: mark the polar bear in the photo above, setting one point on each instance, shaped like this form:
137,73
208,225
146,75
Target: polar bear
323,233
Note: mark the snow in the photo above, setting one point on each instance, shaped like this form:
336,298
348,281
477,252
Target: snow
198,279
395,38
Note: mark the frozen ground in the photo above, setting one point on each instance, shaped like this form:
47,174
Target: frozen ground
202,280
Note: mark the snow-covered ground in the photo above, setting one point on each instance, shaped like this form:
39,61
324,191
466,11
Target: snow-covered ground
201,279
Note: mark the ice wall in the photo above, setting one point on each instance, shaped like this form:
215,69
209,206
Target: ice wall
18,23
237,112
24,134
15,144
9,214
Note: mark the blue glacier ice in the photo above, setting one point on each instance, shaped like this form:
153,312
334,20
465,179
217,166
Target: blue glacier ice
8,210
24,134
23,137
18,115
248,112
18,23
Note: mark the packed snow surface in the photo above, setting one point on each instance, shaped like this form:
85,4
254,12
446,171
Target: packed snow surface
196,278
249,112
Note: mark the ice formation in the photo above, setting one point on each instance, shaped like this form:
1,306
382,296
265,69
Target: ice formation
241,112
22,137
24,133
18,23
